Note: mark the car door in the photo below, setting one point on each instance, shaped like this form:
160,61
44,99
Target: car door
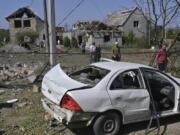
128,94
163,88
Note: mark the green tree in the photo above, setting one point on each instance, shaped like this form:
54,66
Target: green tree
67,42
20,36
4,34
131,37
74,42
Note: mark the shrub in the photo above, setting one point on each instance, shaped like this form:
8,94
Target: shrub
131,37
142,42
20,36
67,42
74,42
4,34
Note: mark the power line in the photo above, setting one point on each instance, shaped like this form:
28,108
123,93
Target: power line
32,1
71,12
97,8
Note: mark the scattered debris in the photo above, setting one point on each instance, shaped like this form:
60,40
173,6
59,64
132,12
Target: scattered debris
47,117
13,48
15,126
36,89
5,105
52,123
19,73
22,129
12,101
2,92
2,131
20,105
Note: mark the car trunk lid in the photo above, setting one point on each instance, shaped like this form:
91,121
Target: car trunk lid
56,83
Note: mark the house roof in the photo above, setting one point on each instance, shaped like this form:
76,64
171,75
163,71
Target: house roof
93,26
20,12
119,18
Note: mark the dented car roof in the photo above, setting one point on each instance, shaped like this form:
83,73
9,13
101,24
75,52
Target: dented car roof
119,65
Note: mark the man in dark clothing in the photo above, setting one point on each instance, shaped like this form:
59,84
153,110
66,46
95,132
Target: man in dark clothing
97,53
82,47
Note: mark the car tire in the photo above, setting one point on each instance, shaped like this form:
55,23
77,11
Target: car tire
107,124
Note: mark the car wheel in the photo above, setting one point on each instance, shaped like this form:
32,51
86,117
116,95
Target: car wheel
107,124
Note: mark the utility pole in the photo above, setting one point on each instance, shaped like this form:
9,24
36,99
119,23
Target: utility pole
46,26
52,36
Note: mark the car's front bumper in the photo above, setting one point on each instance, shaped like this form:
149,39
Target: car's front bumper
68,117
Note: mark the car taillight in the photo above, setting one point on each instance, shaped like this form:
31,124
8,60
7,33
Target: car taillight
69,103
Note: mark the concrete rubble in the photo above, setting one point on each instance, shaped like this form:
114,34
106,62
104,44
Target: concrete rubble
19,73
2,92
13,48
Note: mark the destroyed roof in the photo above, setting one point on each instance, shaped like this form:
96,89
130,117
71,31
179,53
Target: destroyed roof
20,12
93,26
119,18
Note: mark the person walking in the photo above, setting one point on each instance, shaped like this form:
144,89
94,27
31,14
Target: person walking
92,50
116,50
161,58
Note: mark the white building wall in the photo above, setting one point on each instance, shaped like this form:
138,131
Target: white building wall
141,30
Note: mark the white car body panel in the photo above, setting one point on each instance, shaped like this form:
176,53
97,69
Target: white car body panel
56,83
134,105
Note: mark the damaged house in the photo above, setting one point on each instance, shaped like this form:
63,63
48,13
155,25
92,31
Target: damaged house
95,31
129,20
22,19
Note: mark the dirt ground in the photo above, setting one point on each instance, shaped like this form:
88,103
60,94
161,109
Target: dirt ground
26,116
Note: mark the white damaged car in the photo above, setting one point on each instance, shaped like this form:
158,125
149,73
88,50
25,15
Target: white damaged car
107,95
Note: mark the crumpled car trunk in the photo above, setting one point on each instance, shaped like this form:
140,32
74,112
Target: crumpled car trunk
56,83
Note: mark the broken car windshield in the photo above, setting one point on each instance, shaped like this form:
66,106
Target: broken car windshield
90,75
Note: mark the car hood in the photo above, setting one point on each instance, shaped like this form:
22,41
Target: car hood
56,83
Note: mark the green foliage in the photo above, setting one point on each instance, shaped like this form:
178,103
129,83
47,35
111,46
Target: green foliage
173,33
74,42
67,42
142,42
131,41
131,37
4,34
20,36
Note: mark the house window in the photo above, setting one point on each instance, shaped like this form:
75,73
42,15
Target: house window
136,23
17,24
106,38
27,23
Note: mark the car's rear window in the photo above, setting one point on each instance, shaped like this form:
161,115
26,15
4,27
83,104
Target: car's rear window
90,75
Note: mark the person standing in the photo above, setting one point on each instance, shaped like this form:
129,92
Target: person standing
116,52
97,53
82,47
92,50
161,58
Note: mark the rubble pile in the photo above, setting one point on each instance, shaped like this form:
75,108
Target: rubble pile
13,48
19,73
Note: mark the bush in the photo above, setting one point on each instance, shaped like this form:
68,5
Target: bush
133,42
4,36
74,42
174,34
67,42
142,42
32,35
131,37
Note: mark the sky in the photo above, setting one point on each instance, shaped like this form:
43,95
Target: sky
88,10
